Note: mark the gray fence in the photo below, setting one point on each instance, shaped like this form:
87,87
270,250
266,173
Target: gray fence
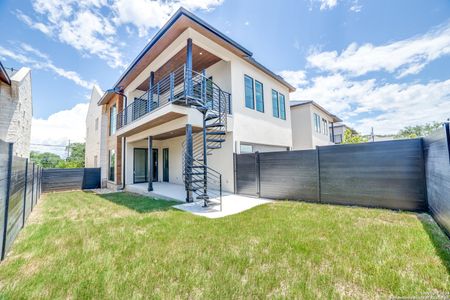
20,189
383,174
437,158
56,180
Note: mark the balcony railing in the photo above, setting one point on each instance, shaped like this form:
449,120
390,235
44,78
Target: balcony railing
172,89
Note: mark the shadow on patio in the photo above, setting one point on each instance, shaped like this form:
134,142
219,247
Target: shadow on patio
141,204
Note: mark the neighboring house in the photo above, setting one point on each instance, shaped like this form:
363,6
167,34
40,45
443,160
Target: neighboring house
312,125
339,132
93,129
16,109
191,84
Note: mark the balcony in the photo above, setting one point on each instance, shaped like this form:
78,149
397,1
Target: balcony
181,87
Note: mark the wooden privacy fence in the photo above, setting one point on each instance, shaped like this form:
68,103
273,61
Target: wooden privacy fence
56,180
382,174
20,189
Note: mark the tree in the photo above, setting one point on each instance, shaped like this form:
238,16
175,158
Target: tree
76,156
411,132
351,137
45,160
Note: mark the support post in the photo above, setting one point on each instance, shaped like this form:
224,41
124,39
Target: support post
151,84
318,174
205,162
157,92
150,163
204,87
172,85
8,191
188,163
25,193
32,189
258,175
124,158
189,68
332,132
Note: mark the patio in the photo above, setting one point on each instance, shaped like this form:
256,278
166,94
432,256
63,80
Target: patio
231,203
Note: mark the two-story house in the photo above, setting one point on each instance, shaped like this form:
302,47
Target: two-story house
312,125
16,109
191,99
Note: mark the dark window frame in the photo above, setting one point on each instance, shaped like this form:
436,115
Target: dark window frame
262,96
275,111
282,106
111,167
245,91
112,116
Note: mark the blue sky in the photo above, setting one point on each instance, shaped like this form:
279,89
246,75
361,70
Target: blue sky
379,63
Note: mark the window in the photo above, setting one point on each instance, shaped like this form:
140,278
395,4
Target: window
324,126
259,91
96,124
317,123
112,119
282,107
249,95
112,165
246,149
275,107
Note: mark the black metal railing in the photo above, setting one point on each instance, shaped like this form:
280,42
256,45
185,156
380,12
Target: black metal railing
173,88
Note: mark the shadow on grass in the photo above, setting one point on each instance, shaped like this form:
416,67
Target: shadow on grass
139,203
441,242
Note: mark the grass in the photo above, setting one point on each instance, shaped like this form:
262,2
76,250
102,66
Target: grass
82,245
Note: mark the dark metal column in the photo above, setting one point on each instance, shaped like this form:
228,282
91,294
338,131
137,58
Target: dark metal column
25,193
332,131
189,68
151,84
124,158
150,163
188,163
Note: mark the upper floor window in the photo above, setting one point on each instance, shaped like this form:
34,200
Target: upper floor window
278,105
325,126
249,93
259,89
275,107
317,126
112,119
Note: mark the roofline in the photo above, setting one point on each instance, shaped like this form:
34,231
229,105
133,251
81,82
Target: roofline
179,13
3,71
335,118
275,76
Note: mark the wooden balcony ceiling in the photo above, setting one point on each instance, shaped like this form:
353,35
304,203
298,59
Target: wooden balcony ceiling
201,59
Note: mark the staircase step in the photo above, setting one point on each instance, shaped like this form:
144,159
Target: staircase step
215,133
215,140
214,147
214,125
211,117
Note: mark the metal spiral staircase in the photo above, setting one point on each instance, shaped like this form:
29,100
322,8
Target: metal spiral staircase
200,179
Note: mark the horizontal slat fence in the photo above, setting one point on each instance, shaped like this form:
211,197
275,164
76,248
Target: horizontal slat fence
437,167
56,180
19,192
382,174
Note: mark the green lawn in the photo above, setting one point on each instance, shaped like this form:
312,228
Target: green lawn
82,245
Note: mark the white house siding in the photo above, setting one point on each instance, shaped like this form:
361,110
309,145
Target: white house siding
16,112
93,134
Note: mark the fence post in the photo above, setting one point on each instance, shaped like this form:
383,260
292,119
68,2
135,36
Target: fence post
258,175
32,190
318,174
25,193
235,172
8,188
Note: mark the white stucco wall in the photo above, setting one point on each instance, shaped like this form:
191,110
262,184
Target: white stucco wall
93,134
16,112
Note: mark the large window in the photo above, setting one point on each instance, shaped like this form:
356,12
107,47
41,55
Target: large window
275,107
259,89
249,94
317,126
324,126
282,106
112,165
112,119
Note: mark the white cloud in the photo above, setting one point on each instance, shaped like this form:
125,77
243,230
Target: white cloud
35,59
404,57
90,26
60,127
324,4
392,106
296,78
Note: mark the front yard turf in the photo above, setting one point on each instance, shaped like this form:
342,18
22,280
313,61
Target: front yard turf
82,245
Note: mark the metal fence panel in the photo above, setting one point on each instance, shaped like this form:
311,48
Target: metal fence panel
437,167
246,174
4,159
54,180
383,174
289,175
28,198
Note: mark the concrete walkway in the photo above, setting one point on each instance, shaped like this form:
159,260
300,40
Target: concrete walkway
231,203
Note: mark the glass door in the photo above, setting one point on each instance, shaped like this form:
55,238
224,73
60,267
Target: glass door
166,164
140,163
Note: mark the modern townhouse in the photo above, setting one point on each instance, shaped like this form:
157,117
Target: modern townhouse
16,109
190,100
312,125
